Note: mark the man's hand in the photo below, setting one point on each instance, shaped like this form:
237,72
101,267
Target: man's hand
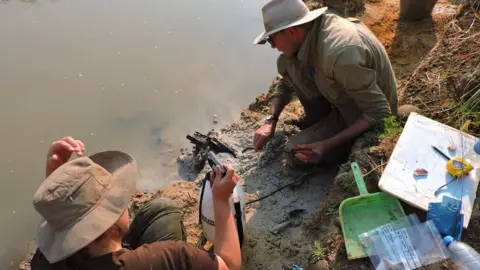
60,152
223,187
263,134
311,153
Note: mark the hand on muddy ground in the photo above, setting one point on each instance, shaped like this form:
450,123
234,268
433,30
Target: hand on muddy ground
262,135
60,152
310,153
223,187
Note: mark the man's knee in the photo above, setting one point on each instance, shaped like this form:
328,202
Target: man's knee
159,206
158,220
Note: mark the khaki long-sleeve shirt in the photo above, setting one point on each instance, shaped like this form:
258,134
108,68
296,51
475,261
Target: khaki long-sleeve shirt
345,63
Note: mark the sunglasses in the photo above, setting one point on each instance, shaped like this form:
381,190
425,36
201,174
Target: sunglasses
271,38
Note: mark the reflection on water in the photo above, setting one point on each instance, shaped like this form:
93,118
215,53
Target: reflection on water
127,75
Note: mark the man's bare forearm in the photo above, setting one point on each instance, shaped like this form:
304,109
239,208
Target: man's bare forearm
278,104
227,244
348,134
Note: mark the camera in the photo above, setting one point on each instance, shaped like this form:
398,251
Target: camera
213,161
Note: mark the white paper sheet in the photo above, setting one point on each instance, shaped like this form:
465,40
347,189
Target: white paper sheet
414,150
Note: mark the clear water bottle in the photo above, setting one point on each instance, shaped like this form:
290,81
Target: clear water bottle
473,155
462,255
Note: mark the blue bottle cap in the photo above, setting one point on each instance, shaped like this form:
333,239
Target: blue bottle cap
447,240
476,147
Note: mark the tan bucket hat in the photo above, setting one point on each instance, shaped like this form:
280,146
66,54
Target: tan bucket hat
81,200
282,14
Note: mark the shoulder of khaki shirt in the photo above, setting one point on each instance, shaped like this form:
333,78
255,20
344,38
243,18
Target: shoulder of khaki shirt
340,42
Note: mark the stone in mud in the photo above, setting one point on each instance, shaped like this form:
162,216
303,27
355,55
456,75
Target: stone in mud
321,265
405,110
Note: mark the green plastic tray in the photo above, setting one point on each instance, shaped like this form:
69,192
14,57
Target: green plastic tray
364,213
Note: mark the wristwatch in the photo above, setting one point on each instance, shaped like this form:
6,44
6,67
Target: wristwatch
271,118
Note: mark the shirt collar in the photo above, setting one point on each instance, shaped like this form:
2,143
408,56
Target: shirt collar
302,54
303,49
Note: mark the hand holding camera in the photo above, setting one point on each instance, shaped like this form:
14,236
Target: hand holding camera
223,178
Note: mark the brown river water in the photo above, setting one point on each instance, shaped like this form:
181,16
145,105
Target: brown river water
130,75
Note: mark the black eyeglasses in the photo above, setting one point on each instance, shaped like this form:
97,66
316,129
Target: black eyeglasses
270,40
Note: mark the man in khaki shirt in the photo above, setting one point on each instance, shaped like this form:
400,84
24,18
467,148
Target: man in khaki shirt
340,72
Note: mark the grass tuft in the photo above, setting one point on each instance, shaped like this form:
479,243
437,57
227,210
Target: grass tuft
318,250
389,127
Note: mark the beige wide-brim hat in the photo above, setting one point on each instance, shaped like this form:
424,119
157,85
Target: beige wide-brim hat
282,14
81,200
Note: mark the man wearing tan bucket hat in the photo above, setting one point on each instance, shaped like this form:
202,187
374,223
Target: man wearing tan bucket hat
85,221
339,71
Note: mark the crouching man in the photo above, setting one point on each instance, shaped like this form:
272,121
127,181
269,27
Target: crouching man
86,225
339,71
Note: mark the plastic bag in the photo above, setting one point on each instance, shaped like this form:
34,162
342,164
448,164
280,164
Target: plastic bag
447,217
404,244
366,238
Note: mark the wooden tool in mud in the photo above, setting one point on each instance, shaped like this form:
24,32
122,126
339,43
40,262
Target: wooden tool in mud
364,213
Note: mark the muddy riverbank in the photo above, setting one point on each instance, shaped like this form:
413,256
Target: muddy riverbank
415,50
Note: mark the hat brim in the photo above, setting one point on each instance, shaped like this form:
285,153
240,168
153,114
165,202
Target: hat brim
312,15
56,246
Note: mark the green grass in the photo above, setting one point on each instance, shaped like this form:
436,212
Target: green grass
392,128
318,250
389,127
445,75
467,110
